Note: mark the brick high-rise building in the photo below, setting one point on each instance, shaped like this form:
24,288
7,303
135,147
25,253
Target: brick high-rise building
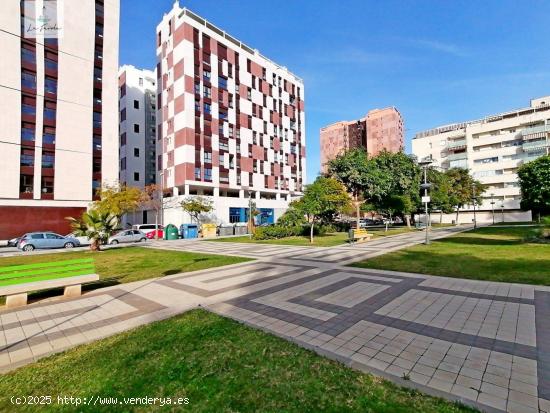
379,129
230,122
58,100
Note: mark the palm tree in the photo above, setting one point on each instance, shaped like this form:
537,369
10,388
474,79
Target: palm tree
96,226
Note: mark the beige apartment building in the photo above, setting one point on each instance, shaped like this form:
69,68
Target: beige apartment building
492,149
59,123
380,129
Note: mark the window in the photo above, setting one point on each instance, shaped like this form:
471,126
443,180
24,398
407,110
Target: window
207,92
207,174
206,75
249,93
97,120
222,82
223,115
48,137
136,176
224,145
27,53
27,132
207,109
486,160
47,184
136,152
222,159
28,79
50,85
49,110
47,160
136,128
26,183
197,89
197,174
207,157
123,164
136,104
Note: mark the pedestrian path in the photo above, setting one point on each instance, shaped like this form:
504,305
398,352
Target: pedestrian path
484,343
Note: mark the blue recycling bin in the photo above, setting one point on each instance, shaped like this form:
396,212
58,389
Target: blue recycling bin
189,230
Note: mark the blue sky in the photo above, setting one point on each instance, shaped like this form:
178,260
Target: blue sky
437,62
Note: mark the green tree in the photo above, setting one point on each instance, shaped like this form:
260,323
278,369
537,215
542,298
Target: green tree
96,225
440,193
118,199
292,217
353,169
399,175
534,181
195,206
325,196
462,187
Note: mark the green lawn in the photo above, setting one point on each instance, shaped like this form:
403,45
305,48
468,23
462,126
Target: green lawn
327,240
490,253
123,265
219,365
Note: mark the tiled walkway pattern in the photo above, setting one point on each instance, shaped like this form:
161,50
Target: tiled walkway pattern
484,343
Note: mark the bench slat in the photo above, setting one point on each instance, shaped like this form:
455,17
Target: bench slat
13,268
64,269
48,277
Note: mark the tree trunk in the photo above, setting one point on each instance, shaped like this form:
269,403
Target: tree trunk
311,233
156,225
441,217
456,222
94,245
408,220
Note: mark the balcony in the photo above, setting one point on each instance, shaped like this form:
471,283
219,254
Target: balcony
457,156
534,146
535,132
453,145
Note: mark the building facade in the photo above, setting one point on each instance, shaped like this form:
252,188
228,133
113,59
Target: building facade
380,129
230,123
59,115
137,105
492,149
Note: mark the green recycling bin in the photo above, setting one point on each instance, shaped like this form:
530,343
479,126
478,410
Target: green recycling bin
171,232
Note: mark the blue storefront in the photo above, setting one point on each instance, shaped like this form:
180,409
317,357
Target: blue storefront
266,216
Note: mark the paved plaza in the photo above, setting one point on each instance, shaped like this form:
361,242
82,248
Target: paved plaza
485,343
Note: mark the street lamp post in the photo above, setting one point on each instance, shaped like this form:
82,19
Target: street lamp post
250,213
502,210
493,207
426,199
474,201
161,207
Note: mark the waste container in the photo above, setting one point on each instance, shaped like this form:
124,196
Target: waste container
171,232
225,230
189,230
208,230
241,228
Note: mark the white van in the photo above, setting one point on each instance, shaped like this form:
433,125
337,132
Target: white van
147,228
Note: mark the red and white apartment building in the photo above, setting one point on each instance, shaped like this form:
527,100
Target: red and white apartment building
231,123
380,129
59,118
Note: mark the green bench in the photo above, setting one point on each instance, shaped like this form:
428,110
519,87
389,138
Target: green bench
16,281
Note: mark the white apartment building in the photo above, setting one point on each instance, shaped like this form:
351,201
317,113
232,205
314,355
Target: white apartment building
137,105
492,149
231,122
58,105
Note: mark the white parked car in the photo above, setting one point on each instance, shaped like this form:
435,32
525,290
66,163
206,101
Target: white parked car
128,235
147,228
82,240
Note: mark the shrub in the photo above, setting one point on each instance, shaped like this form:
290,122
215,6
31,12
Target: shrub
276,231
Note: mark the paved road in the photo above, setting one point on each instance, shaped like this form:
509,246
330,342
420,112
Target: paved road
487,344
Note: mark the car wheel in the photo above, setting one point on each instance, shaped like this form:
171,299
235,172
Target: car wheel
69,245
143,240
28,247
114,242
